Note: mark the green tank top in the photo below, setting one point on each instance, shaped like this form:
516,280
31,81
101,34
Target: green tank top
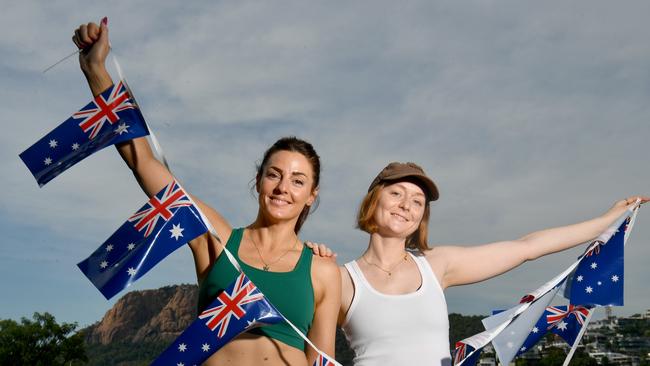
290,292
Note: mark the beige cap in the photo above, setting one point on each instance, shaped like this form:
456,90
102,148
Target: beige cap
396,171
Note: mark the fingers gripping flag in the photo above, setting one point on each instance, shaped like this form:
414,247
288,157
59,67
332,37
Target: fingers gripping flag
112,117
598,279
161,226
236,309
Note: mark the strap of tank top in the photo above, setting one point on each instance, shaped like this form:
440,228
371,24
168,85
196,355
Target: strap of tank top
159,152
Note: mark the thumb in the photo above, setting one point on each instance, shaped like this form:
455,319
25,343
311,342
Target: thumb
103,27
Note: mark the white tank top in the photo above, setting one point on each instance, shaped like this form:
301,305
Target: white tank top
400,330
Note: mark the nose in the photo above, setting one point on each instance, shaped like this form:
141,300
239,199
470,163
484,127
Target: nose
405,204
282,185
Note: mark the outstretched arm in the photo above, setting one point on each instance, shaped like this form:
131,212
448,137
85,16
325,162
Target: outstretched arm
150,173
464,265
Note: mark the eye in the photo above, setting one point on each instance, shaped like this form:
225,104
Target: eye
273,175
418,203
394,193
298,182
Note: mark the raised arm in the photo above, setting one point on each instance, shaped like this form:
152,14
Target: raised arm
463,265
150,173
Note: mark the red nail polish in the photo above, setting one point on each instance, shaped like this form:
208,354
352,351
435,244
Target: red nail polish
105,20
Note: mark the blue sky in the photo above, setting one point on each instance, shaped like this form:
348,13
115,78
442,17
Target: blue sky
527,115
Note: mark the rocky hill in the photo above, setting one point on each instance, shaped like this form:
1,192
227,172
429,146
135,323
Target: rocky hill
143,323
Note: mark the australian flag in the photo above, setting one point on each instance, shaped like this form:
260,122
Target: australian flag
598,279
565,321
463,350
112,117
161,226
236,309
324,361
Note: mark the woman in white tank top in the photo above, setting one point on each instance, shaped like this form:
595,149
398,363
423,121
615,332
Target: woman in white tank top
393,309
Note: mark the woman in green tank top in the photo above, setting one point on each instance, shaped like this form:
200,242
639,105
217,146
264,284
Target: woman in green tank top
269,249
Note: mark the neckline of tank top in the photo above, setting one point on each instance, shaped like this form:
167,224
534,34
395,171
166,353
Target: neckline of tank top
423,284
244,264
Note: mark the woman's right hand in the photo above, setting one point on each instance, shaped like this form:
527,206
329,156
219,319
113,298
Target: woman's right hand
92,39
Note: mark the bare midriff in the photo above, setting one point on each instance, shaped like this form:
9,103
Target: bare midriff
255,350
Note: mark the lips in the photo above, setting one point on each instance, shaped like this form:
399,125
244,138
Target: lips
400,217
278,201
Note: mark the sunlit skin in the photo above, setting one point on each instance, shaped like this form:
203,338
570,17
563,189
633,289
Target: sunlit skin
399,210
285,187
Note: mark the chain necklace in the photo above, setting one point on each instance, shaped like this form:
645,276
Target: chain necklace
268,265
390,270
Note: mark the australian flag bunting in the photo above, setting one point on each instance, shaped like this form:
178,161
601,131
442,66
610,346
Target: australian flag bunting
161,226
323,361
236,309
598,279
461,353
111,117
565,321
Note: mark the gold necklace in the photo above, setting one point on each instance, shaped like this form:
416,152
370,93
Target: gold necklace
390,270
268,265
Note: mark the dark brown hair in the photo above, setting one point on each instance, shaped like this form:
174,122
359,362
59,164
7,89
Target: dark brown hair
303,147
366,221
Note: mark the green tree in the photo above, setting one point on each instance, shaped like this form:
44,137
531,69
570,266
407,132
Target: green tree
41,341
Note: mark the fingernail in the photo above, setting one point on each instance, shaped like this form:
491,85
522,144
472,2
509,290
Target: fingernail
105,21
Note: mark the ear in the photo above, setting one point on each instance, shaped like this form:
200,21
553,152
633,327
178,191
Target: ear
312,197
257,184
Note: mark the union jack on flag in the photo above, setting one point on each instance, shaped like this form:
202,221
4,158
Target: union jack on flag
103,109
323,361
461,353
555,314
128,254
242,307
231,304
160,206
68,144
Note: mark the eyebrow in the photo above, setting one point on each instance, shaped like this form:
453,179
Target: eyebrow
292,173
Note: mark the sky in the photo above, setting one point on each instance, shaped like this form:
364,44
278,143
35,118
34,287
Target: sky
527,115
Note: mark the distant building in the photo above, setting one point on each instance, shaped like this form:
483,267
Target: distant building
615,358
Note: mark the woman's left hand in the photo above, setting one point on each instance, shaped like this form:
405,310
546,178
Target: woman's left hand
630,201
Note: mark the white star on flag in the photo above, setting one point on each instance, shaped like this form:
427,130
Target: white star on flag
103,264
535,329
594,265
589,289
75,146
182,347
579,279
614,278
122,128
109,247
47,161
250,322
131,271
562,325
205,347
130,246
176,231
523,348
53,143
180,364
599,283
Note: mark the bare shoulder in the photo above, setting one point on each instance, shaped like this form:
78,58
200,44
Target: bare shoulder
324,268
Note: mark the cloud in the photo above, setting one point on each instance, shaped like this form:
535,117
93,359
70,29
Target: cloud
527,115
